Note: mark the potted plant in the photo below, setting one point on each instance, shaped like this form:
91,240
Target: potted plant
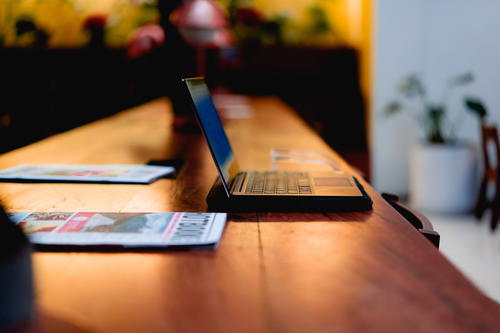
443,174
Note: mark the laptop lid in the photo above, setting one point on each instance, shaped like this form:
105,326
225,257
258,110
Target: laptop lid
213,130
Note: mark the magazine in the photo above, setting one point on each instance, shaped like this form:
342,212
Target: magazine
119,173
121,229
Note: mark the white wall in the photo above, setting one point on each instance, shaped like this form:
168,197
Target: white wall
437,39
398,50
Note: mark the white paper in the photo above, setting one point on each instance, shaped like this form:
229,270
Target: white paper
123,229
117,173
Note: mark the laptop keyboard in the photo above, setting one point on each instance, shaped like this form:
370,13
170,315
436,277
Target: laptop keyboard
278,182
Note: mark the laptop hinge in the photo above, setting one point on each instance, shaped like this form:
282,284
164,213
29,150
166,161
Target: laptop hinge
238,181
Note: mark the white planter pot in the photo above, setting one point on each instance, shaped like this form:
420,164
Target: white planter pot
443,178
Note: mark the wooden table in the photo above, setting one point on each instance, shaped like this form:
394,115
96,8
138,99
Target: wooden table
274,272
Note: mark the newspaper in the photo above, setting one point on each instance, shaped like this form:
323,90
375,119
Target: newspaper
122,229
119,173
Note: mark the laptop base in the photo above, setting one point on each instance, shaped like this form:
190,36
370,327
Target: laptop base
218,201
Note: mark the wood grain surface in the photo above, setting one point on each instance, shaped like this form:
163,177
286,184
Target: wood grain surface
274,272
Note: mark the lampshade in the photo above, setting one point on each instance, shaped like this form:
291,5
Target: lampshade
199,20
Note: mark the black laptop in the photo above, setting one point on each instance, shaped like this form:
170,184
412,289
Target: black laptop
248,191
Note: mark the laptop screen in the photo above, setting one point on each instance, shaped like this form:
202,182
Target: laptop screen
212,129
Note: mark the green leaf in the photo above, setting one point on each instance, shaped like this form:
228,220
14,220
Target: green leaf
436,113
411,86
436,116
462,79
319,20
476,106
392,108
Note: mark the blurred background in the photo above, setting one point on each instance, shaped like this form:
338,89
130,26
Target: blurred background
67,62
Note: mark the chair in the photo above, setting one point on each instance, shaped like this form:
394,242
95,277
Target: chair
420,222
491,176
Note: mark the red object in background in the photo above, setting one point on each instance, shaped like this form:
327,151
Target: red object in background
248,16
222,38
144,40
95,21
94,25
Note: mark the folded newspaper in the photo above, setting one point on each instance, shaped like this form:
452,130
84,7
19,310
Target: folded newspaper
117,173
122,229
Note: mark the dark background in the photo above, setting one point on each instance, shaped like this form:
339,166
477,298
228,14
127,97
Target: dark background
46,91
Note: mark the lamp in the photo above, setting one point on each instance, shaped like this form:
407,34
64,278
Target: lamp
202,24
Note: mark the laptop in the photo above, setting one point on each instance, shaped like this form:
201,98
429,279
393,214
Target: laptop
249,190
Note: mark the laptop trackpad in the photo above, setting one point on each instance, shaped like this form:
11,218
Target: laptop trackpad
331,181
335,186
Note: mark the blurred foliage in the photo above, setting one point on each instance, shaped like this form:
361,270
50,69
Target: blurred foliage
58,23
271,22
319,20
477,107
23,23
432,117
